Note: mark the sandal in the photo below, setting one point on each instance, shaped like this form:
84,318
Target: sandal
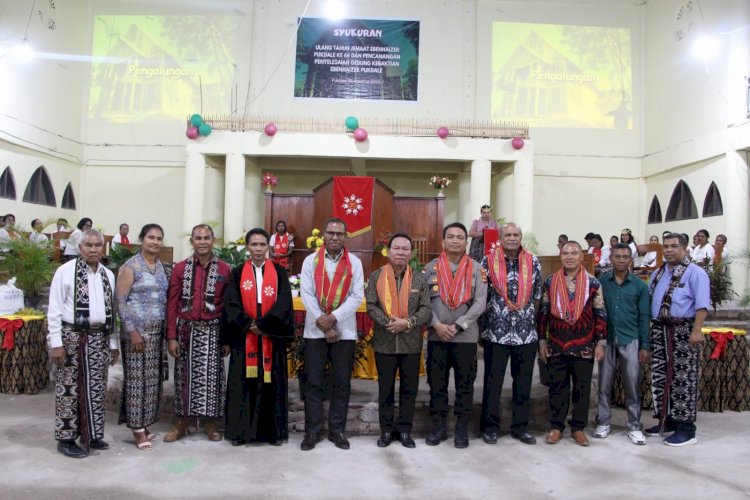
150,435
141,440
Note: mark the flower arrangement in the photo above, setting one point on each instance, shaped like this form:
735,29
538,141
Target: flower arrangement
439,182
381,244
294,285
269,179
314,241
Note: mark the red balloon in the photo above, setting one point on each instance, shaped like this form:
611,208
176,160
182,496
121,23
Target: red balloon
443,132
191,132
517,143
360,135
270,130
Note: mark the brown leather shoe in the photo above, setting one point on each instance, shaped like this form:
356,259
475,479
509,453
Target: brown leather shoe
211,429
178,430
554,436
580,438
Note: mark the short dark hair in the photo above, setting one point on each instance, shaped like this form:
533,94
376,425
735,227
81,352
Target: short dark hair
9,215
622,246
34,221
256,230
458,225
705,232
681,237
148,227
597,237
334,220
400,235
486,207
202,226
722,236
83,222
588,236
280,222
565,236
124,224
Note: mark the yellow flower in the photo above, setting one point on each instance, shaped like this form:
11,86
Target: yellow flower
319,242
310,241
315,232
384,252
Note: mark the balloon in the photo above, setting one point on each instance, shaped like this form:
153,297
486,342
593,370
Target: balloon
443,132
191,132
517,143
360,135
204,129
270,130
196,120
351,123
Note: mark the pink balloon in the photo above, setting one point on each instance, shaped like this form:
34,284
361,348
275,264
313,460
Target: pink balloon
191,132
443,132
517,143
360,135
270,130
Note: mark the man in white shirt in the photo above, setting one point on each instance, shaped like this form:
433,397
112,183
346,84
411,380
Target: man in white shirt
332,288
82,346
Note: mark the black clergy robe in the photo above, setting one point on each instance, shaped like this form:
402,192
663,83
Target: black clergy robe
257,411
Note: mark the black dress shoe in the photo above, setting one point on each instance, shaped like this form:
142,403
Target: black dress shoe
437,435
406,440
525,438
461,438
99,444
237,442
276,442
71,449
339,440
490,437
309,442
385,439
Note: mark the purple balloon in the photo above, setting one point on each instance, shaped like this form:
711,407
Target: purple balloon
443,132
360,135
517,143
270,129
191,132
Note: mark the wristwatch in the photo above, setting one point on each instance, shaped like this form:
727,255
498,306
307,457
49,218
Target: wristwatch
459,328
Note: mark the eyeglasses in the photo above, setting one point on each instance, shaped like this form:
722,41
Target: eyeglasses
334,234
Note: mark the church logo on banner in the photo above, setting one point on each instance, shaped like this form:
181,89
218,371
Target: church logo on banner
352,203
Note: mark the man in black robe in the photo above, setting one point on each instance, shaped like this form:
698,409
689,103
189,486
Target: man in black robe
256,404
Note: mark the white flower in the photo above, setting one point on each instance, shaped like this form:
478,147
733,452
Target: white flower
352,204
247,285
268,291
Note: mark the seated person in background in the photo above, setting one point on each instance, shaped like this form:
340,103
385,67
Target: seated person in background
36,235
722,239
626,236
613,240
703,252
122,236
601,255
561,241
649,260
689,247
71,247
62,226
8,231
588,241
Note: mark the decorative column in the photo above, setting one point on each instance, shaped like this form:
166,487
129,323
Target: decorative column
253,194
464,199
192,208
234,196
734,195
481,185
523,188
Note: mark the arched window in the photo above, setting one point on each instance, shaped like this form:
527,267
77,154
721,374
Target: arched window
681,205
39,189
69,198
7,184
654,213
712,204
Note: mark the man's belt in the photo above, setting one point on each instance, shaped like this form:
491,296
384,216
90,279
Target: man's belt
95,328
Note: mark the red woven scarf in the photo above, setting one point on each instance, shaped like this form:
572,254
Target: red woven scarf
563,307
249,294
455,288
330,293
499,276
395,302
281,245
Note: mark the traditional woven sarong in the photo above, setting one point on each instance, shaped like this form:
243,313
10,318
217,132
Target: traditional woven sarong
199,370
141,390
81,386
674,370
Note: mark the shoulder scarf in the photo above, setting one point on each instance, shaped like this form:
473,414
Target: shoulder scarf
597,253
331,293
124,240
562,306
81,297
281,245
666,300
455,289
395,302
499,276
249,294
209,288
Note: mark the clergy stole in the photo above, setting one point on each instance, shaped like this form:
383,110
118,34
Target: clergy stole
330,293
281,245
249,294
455,289
499,277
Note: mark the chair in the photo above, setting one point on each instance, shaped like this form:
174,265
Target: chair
420,246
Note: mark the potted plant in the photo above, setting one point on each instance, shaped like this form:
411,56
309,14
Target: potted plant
32,266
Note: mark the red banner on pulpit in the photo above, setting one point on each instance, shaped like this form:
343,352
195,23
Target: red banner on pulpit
352,203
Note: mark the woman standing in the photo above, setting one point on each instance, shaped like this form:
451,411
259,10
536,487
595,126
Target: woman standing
476,231
703,252
71,246
626,236
141,293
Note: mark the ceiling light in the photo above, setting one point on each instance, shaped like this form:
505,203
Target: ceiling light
23,51
705,48
334,9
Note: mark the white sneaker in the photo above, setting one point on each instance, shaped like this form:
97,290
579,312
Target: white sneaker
602,431
637,437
